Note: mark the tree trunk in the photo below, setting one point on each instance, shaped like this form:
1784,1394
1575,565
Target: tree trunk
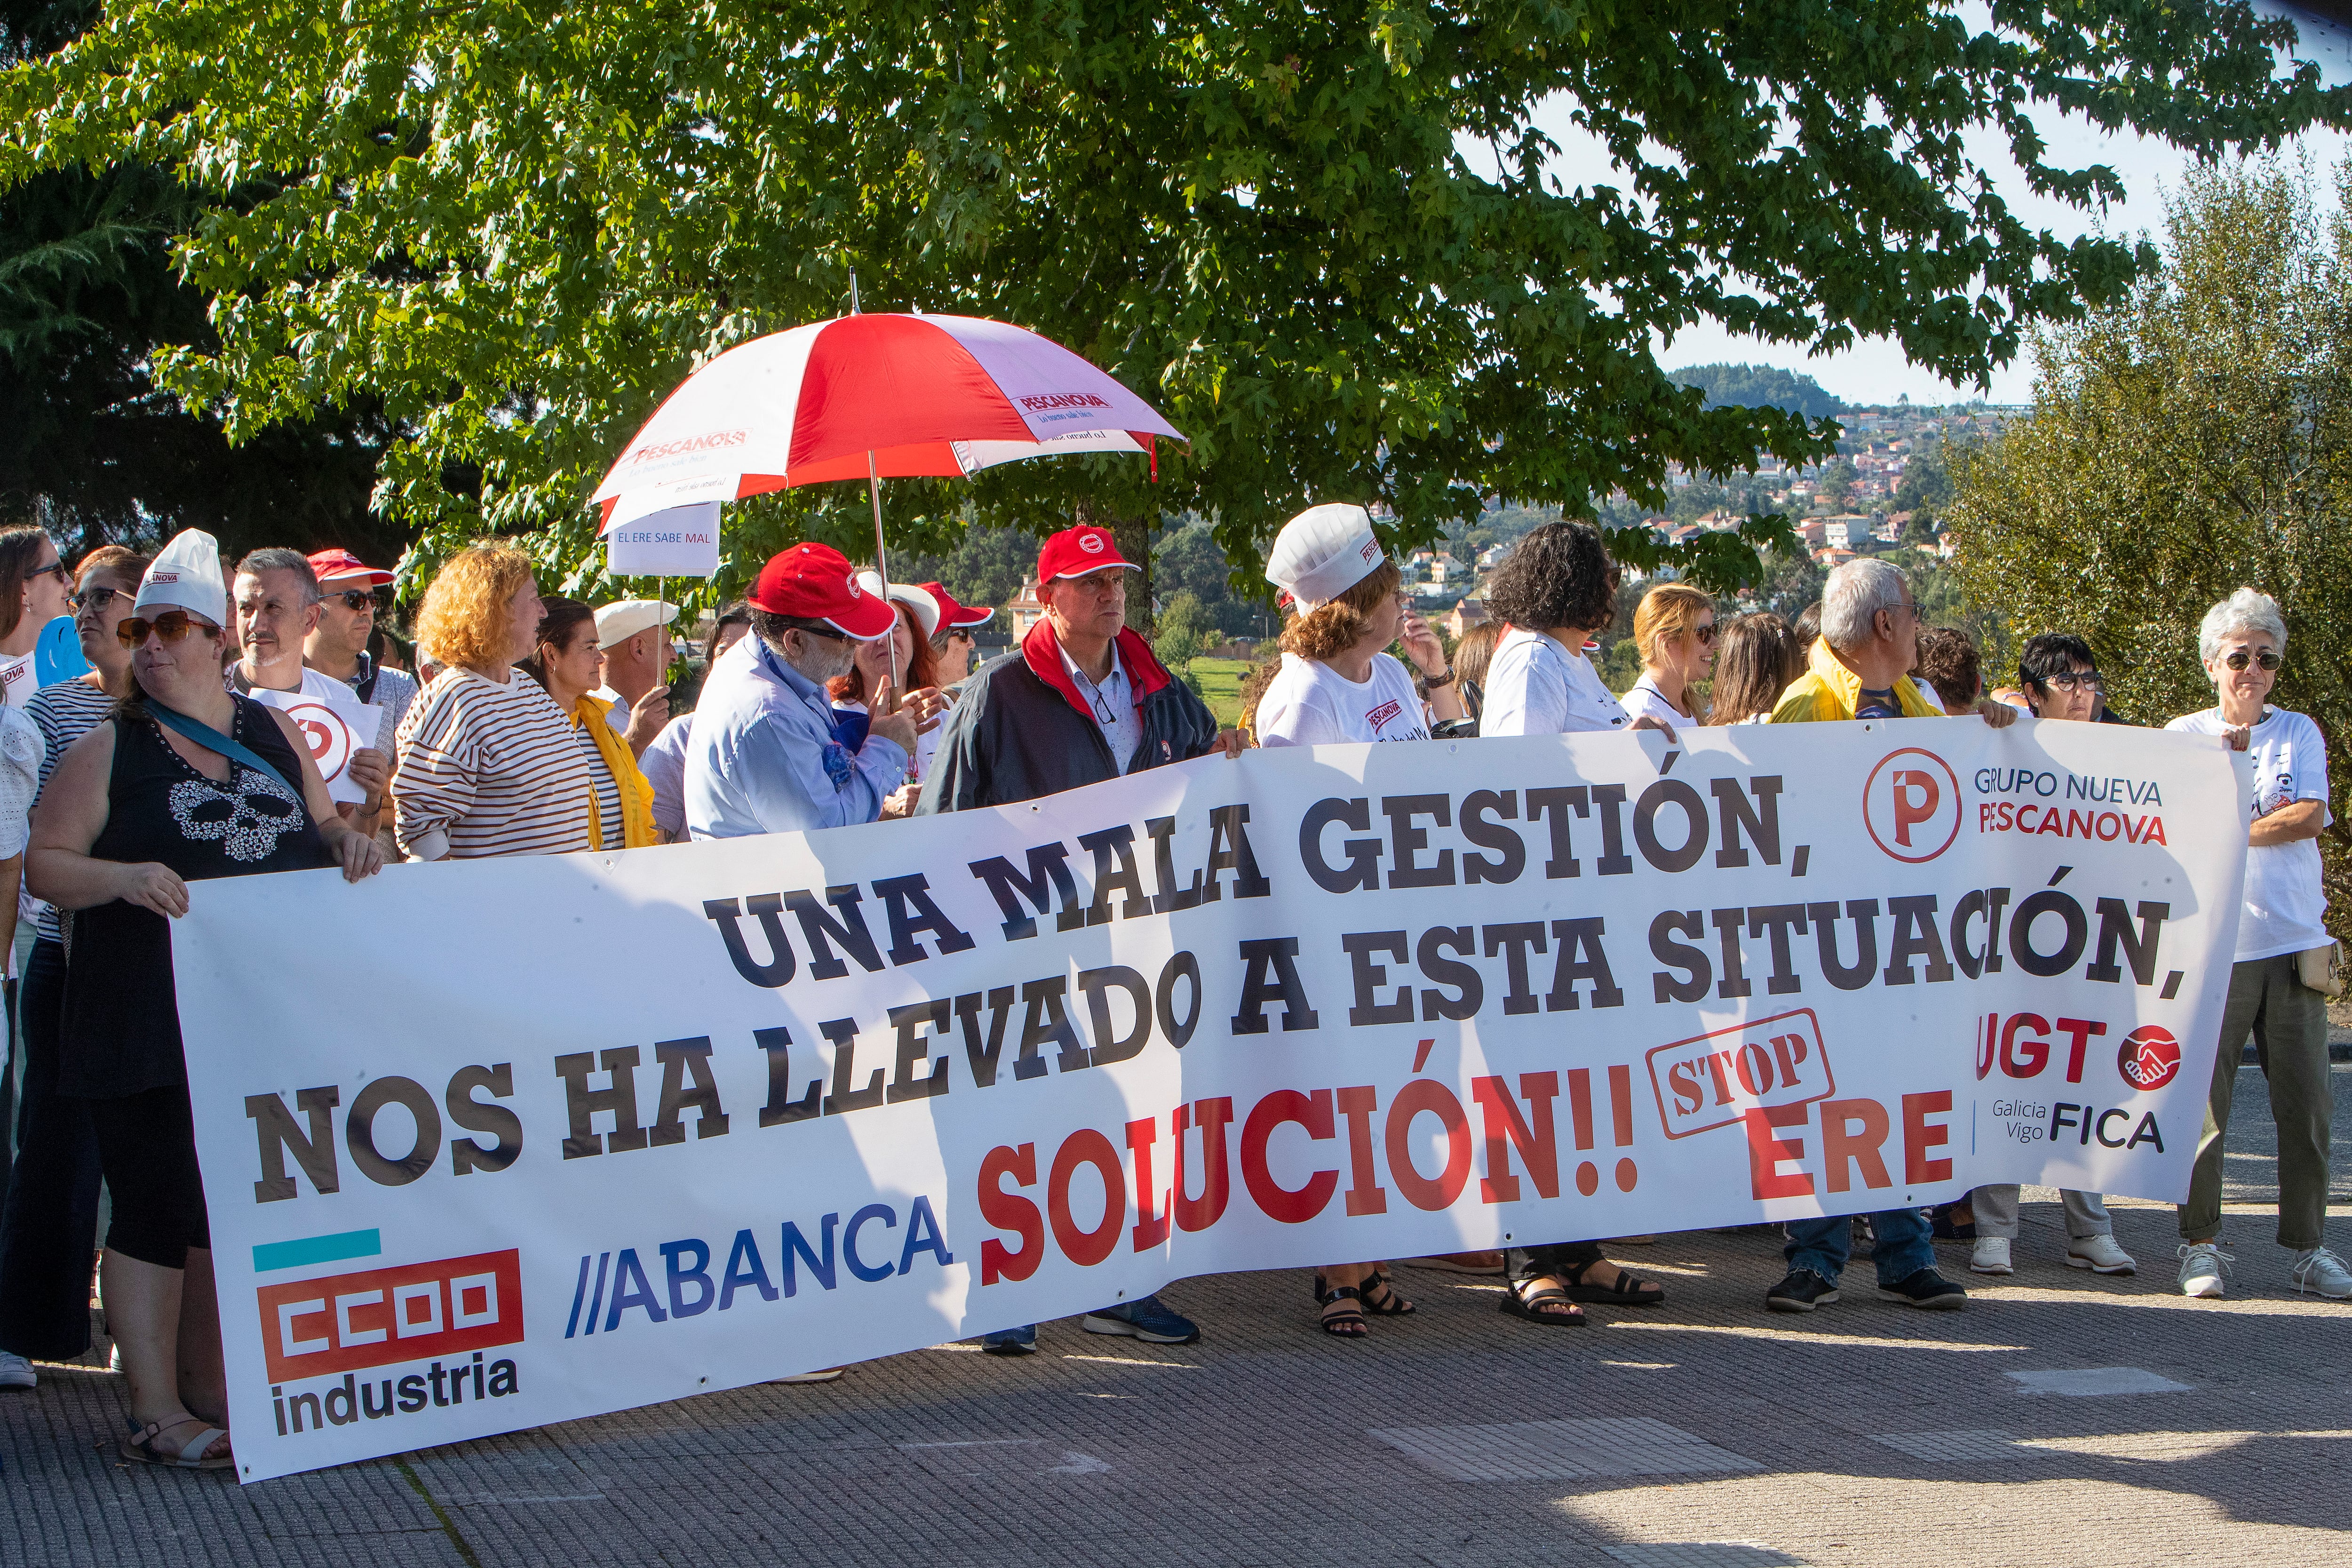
1133,536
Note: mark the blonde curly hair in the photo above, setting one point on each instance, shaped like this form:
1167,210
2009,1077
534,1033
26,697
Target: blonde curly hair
464,617
1331,629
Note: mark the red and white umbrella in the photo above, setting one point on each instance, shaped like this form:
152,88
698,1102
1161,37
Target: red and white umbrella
871,398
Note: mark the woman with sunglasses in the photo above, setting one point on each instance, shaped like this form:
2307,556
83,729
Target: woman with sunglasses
2060,679
52,1209
2283,953
34,587
1675,629
187,781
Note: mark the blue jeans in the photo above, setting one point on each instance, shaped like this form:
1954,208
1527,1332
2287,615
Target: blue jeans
1904,1245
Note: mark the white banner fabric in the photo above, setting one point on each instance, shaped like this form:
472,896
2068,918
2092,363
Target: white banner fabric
639,1125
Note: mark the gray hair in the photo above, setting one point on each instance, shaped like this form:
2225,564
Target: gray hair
1852,599
278,559
2243,611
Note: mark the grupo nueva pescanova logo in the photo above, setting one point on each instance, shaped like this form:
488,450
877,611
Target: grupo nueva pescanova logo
1911,805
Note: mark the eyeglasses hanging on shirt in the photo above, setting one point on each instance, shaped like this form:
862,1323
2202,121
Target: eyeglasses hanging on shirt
1103,712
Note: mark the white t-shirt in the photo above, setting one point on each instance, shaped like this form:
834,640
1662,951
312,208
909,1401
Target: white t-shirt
1309,703
1645,700
1537,685
2285,904
18,681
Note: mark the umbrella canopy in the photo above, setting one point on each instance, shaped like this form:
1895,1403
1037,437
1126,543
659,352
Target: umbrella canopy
923,395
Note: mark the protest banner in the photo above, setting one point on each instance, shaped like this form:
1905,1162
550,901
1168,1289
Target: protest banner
645,1124
334,723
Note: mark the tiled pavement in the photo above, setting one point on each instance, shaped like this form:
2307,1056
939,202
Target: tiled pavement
1704,1435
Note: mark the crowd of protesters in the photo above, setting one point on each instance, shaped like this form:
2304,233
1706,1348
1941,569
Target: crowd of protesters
544,725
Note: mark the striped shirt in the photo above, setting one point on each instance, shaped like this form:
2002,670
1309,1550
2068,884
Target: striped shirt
65,713
608,790
485,769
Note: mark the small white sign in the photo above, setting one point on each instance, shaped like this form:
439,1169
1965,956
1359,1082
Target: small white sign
682,542
334,723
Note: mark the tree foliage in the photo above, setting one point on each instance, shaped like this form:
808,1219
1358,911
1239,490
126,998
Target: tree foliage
1761,387
2194,438
90,445
1323,239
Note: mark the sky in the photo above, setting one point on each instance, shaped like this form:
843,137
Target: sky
1876,370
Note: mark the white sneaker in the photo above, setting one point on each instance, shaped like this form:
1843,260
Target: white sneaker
2317,1269
2202,1265
2100,1254
1992,1256
16,1372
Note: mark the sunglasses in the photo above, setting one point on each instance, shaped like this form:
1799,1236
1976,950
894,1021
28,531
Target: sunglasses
358,599
2238,658
1704,633
96,598
57,566
173,626
2072,680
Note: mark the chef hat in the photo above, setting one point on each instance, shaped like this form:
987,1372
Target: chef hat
1322,553
186,575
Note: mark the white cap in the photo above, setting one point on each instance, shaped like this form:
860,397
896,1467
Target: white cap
1322,553
617,622
926,608
186,575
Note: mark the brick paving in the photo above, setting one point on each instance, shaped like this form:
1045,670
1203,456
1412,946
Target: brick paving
1867,1433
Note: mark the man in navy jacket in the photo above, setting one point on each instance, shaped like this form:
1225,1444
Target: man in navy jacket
1082,699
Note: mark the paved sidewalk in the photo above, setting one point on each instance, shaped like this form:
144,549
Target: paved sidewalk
1702,1435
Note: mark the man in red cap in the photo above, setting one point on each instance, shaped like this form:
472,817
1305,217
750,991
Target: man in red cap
338,645
953,641
768,753
1082,699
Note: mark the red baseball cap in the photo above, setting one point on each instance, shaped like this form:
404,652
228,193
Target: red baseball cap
816,582
1075,552
334,565
953,615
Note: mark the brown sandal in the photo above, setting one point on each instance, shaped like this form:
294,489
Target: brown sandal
144,1444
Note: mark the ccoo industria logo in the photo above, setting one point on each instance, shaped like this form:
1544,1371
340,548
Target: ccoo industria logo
412,1312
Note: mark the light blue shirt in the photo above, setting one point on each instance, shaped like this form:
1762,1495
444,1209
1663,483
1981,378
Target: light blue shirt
756,760
1123,729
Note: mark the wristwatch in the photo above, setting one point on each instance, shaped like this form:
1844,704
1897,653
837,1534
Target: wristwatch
1434,681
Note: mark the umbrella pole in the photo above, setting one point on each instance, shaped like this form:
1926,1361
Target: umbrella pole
882,561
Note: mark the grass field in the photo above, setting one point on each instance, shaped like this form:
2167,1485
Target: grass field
1220,680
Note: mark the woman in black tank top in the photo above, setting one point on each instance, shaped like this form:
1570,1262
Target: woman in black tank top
185,782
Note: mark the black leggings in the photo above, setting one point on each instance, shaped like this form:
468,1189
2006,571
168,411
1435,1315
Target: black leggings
147,1147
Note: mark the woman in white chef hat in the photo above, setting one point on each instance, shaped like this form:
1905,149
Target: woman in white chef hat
1339,684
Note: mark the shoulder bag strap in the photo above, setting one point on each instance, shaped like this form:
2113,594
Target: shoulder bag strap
212,739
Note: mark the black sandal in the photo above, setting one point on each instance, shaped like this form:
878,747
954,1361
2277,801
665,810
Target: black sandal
1530,1306
1628,1291
1343,1318
1378,1293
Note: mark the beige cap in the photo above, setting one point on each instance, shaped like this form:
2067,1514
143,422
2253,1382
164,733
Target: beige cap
618,622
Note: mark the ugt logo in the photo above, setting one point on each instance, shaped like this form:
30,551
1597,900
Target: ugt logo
1911,805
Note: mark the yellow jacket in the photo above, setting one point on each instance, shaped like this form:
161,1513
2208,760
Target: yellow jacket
1828,689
